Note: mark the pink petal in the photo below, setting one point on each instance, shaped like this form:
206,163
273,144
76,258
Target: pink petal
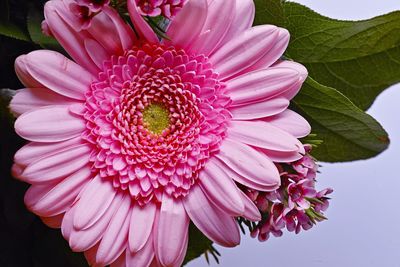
34,151
274,53
220,189
119,30
291,122
143,28
55,167
96,52
58,73
143,257
120,262
251,211
94,202
55,13
53,222
82,240
187,25
250,183
44,124
23,74
56,199
243,50
249,163
115,238
262,134
141,226
169,240
219,17
251,111
242,20
32,98
292,92
211,221
261,85
283,156
67,223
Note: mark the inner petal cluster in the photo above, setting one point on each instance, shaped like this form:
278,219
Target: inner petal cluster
154,117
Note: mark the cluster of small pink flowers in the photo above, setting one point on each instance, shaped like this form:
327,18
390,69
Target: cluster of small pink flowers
295,205
154,8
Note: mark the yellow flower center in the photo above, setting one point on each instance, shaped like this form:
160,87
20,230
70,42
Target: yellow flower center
156,118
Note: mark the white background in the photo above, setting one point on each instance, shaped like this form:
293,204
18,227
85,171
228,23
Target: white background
363,229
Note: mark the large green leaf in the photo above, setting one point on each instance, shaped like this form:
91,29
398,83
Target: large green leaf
358,58
348,132
269,12
13,31
34,21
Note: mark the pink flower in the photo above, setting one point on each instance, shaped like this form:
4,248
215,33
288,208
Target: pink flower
93,5
299,192
134,138
295,204
154,8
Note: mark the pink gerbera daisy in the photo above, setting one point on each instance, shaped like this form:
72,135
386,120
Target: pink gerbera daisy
136,137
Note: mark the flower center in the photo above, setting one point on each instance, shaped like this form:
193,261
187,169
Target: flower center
156,118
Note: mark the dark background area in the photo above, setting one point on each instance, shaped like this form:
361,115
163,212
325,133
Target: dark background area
26,241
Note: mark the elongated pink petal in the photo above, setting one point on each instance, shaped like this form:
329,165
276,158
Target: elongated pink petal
140,24
251,111
34,151
274,53
58,73
115,238
67,223
242,51
57,166
53,222
94,202
261,85
169,240
292,92
141,225
220,189
82,240
249,163
283,156
262,134
251,211
112,32
182,253
70,39
96,52
58,198
49,124
219,17
187,25
32,98
291,122
143,257
23,74
211,221
242,21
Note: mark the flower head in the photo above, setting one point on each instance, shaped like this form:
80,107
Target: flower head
166,8
136,137
296,205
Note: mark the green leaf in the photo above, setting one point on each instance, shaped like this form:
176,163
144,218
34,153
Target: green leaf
347,131
358,58
10,30
198,244
34,22
269,12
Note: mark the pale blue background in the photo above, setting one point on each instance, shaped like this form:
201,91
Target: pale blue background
363,229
